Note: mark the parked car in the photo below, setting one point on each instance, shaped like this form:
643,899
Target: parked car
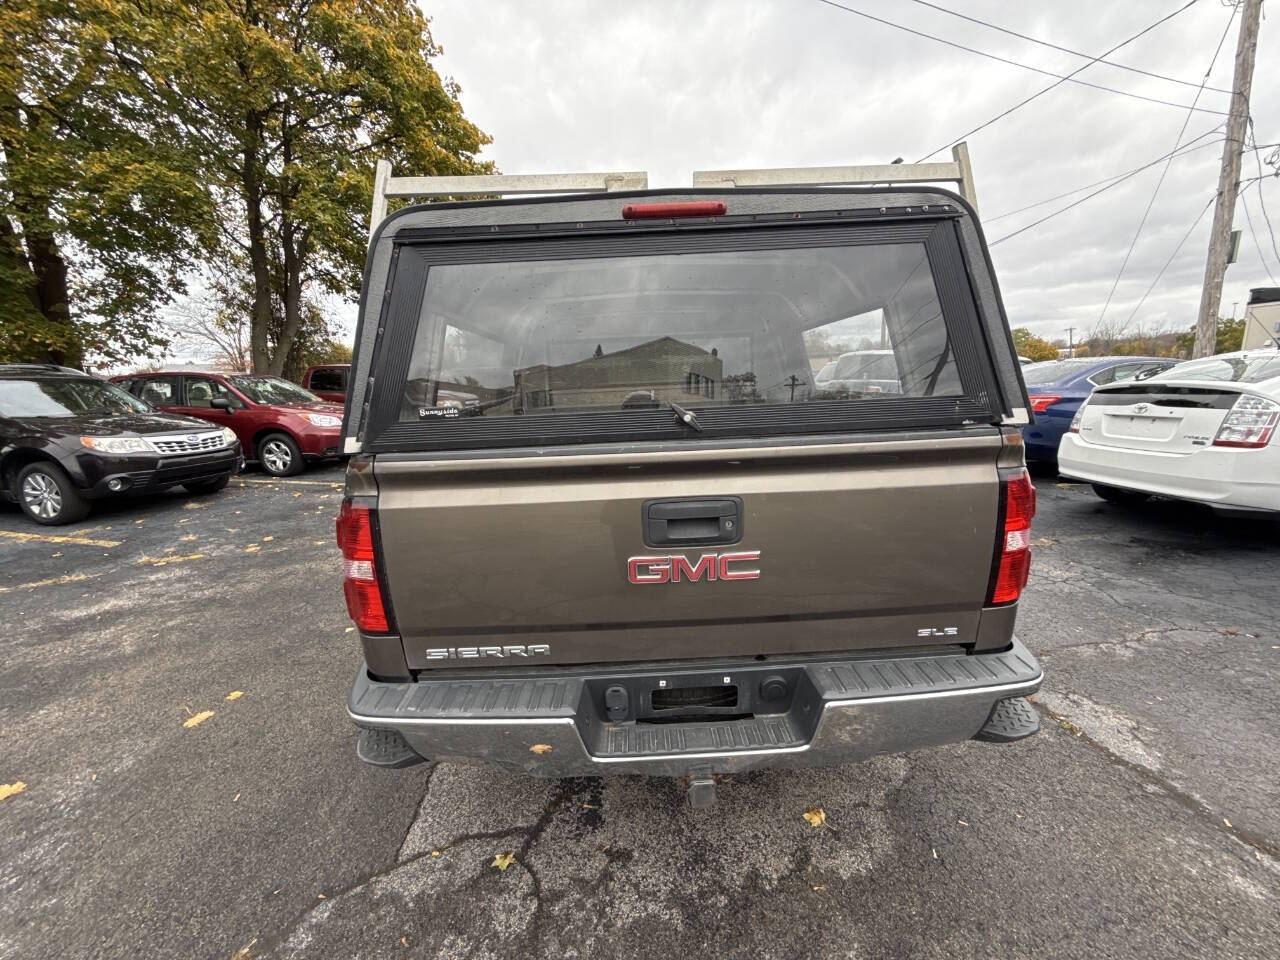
860,372
281,425
667,559
67,438
1058,387
327,381
1202,431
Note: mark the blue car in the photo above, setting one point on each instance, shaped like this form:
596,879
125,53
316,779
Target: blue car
1058,387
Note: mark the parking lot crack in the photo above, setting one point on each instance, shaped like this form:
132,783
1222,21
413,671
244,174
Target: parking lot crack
1255,842
1140,638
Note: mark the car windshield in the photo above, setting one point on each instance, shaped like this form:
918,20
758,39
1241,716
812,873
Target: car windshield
1246,369
1055,371
65,397
272,390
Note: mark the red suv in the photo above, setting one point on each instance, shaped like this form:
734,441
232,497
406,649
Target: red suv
279,424
328,381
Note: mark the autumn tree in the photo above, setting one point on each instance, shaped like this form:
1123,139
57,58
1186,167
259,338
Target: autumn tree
100,206
292,101
1032,347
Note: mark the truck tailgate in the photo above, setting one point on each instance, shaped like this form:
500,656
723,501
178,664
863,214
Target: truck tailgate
862,544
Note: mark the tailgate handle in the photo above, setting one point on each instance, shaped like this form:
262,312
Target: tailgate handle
675,523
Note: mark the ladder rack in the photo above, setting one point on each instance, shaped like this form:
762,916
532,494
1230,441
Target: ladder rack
958,171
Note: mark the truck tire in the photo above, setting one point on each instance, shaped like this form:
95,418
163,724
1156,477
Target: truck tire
47,496
1121,498
279,455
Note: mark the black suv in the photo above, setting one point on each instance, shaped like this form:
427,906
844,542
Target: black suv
67,438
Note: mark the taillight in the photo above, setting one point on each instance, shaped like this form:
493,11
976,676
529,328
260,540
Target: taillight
1013,557
359,568
667,211
1043,402
1075,421
1250,423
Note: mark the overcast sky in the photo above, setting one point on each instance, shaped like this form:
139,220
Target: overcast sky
671,87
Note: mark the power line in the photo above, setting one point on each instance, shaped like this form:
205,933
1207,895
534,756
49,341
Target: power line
1164,173
1015,63
1244,202
1262,199
1054,46
1181,151
1076,203
1022,103
1176,250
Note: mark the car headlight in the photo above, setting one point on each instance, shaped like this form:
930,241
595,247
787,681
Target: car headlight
116,444
321,420
228,436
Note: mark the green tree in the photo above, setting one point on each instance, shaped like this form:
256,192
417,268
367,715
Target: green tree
292,101
1230,337
99,203
1032,347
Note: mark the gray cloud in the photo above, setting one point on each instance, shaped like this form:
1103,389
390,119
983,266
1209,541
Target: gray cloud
670,87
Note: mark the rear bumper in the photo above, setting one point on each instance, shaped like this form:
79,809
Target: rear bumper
837,712
1217,476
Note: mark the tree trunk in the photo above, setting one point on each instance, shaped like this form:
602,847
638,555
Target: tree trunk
45,284
260,320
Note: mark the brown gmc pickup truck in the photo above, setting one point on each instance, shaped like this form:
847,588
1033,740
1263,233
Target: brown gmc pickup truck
650,539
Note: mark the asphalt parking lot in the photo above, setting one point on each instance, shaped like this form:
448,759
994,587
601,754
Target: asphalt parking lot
1143,821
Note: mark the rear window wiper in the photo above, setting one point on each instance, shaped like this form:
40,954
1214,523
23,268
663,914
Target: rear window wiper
686,417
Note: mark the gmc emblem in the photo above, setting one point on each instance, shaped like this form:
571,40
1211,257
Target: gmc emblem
676,567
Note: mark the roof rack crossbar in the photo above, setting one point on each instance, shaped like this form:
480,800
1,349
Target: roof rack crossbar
958,171
483,185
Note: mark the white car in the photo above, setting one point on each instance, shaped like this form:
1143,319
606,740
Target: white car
1202,430
861,372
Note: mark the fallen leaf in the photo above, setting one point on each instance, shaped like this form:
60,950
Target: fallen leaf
9,789
243,952
1044,541
198,719
818,887
348,630
503,860
267,539
935,853
251,548
297,494
321,895
435,853
588,806
404,941
815,816
962,823
1226,821
59,553
319,543
234,695
236,798
540,748
185,520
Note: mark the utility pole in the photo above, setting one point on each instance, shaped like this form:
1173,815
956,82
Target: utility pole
1215,267
1071,341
